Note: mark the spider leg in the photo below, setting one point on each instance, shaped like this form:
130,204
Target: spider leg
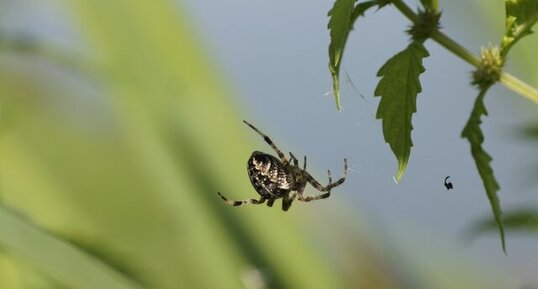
270,142
287,200
321,188
321,196
270,202
243,202
300,192
294,159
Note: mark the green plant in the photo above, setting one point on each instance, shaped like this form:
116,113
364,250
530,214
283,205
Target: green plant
399,84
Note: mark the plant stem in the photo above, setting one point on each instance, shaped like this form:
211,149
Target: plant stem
455,48
519,86
439,36
507,79
408,12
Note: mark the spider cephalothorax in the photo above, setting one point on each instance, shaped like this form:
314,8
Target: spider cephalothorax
275,178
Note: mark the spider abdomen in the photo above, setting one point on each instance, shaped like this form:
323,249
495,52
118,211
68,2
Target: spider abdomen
269,176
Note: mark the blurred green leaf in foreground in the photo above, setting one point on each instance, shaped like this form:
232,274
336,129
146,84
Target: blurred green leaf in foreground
124,144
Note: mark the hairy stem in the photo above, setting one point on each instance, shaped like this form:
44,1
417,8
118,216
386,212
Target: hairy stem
507,79
455,48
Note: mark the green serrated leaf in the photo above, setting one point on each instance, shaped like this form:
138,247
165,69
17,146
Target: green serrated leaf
342,16
473,133
360,9
521,15
398,88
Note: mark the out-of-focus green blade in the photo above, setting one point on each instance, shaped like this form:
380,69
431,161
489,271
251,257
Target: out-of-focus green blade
59,260
144,183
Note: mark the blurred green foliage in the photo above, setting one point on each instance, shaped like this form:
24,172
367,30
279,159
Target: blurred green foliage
125,145
516,220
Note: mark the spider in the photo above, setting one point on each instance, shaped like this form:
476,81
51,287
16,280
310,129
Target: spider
275,178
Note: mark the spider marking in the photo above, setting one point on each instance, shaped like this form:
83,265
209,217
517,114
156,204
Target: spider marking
274,178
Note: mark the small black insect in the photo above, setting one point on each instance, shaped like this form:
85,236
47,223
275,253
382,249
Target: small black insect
448,185
275,178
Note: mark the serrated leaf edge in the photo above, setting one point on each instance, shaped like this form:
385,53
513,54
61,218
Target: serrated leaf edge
474,135
403,159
